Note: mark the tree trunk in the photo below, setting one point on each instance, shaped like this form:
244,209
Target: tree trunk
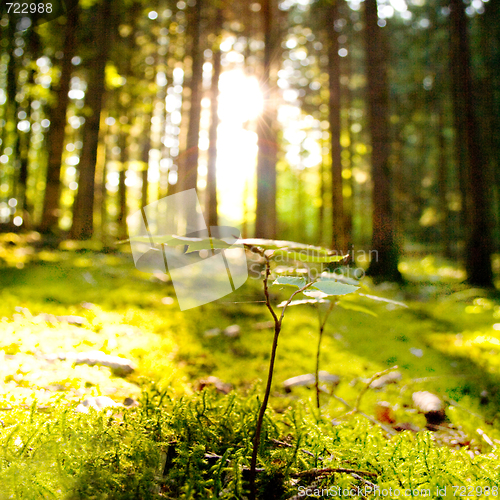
83,209
146,146
265,216
385,264
334,107
188,173
478,245
56,133
321,207
443,180
121,220
211,191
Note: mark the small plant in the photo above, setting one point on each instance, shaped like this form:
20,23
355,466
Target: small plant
318,298
325,286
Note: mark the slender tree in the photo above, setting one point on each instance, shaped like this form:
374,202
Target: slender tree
479,243
334,107
83,210
56,133
188,173
385,264
265,216
211,190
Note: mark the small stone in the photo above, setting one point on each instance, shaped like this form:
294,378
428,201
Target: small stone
417,352
130,402
232,331
309,379
430,405
119,366
98,403
213,332
390,378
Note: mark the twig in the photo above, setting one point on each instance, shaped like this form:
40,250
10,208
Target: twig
458,405
277,330
318,350
486,438
369,383
363,480
288,445
320,472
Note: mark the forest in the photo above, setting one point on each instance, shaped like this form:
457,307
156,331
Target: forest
249,249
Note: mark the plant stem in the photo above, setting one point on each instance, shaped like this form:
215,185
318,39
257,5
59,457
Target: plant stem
277,330
321,330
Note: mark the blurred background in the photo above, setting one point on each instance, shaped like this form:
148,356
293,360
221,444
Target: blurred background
350,124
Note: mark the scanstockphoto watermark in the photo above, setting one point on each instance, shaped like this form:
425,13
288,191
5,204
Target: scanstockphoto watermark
390,492
310,273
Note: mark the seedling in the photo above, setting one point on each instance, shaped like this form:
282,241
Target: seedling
317,299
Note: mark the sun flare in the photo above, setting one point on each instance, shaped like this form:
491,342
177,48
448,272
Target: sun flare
240,104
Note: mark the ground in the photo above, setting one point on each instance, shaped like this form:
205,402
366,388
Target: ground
76,299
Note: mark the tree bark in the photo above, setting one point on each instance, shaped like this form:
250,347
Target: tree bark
265,216
56,134
211,190
334,107
121,220
83,210
385,264
443,179
188,173
479,244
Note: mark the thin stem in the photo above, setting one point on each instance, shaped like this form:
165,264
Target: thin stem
277,330
321,330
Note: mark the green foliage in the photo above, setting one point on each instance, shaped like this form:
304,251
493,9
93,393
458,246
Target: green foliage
199,447
106,456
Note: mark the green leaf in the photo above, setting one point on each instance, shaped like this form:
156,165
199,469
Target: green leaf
207,244
315,294
355,307
290,280
295,251
303,301
306,255
331,287
382,299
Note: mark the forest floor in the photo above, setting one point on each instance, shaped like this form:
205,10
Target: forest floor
59,304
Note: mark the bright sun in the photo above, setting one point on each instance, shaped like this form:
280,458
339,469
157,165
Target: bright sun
240,104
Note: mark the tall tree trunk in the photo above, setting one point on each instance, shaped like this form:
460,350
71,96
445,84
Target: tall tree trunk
321,207
460,154
11,105
443,178
385,265
265,216
146,146
349,205
121,219
334,107
56,133
479,244
188,173
211,190
83,210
